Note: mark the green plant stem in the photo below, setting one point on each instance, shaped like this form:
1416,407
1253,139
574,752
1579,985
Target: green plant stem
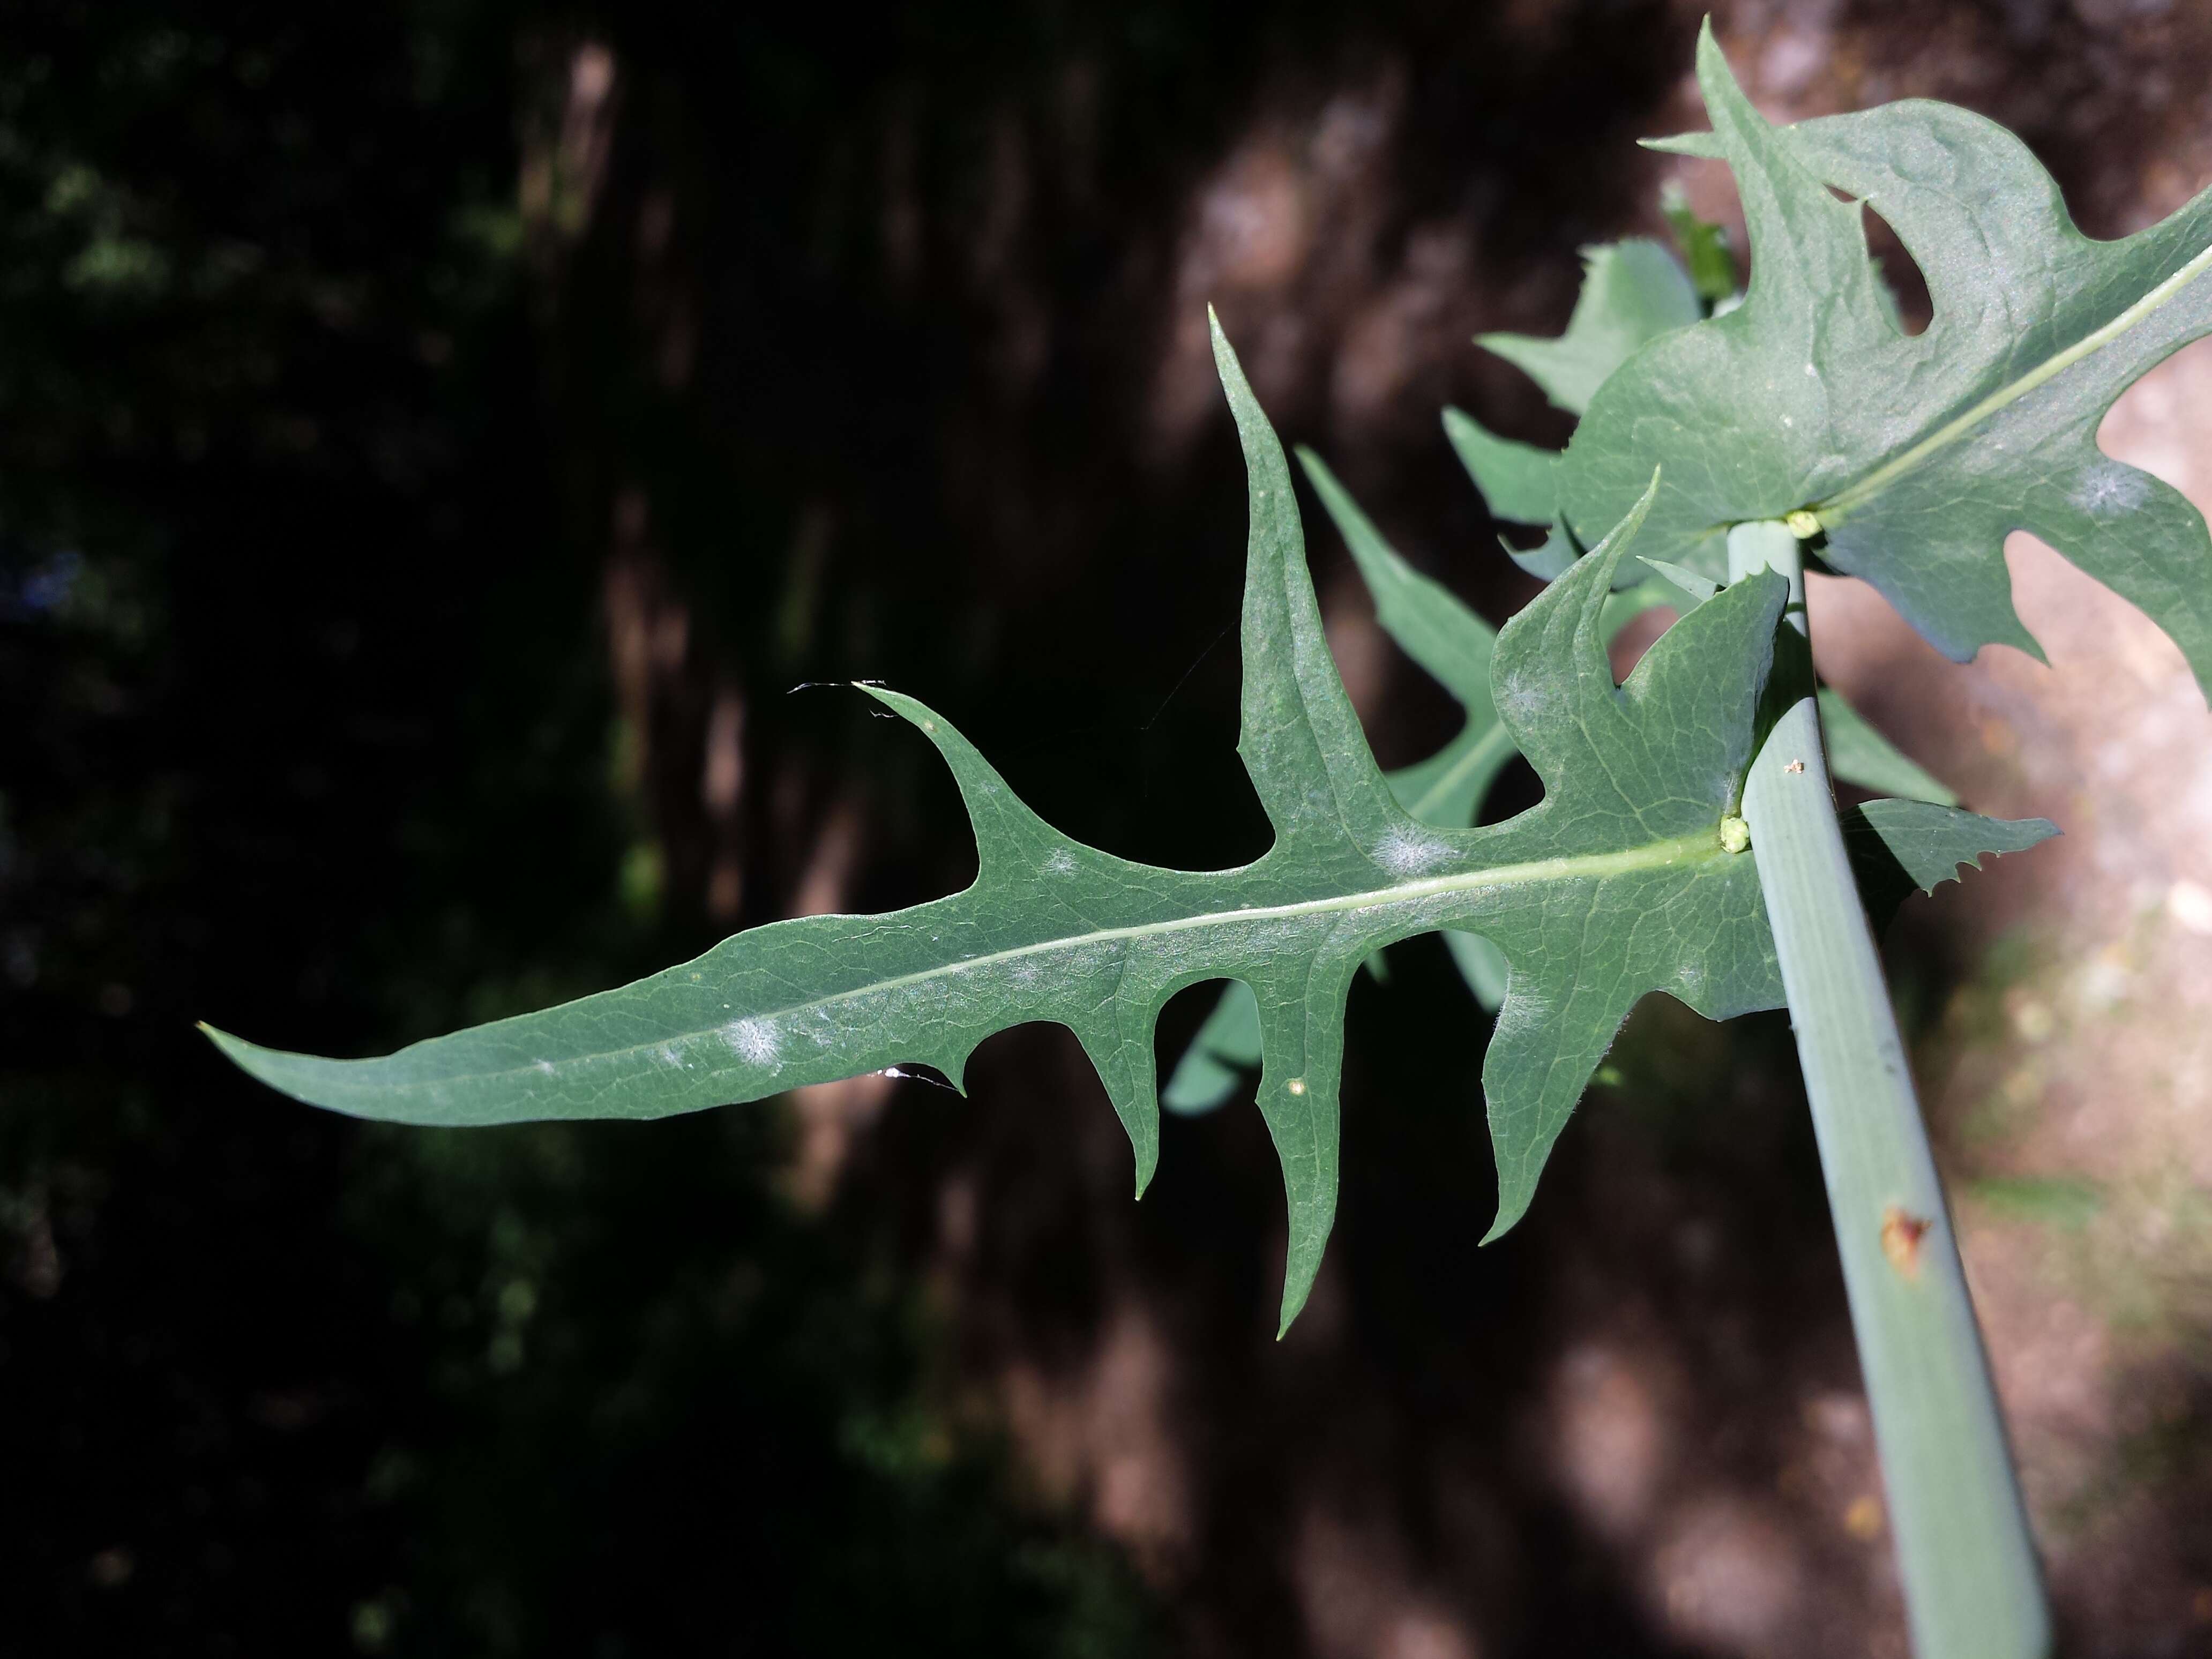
1972,1586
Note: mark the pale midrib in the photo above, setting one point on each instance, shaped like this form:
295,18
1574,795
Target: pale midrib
1655,855
1840,506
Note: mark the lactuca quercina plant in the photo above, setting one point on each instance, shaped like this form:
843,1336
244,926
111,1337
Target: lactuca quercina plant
1687,840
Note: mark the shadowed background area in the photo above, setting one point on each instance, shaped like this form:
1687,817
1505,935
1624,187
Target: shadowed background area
442,447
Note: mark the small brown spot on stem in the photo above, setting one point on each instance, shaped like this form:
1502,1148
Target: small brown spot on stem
1901,1232
1862,1520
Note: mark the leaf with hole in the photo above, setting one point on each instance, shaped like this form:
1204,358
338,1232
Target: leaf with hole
1915,455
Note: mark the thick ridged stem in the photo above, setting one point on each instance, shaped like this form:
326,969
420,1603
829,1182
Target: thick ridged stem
1972,1586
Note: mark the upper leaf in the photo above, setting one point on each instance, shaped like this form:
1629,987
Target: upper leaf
1632,292
1615,885
1917,454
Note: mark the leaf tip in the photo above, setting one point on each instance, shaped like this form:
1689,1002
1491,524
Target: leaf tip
1514,1197
1301,1265
1225,361
252,1059
911,709
233,1048
1148,1164
1606,555
1716,81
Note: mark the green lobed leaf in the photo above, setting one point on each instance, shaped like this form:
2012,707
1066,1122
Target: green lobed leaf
1519,482
1453,645
1917,454
1856,752
1632,292
1615,885
1896,845
1428,620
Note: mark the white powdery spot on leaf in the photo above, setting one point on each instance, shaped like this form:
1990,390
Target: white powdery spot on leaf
751,1040
1525,702
2111,490
1062,863
1408,856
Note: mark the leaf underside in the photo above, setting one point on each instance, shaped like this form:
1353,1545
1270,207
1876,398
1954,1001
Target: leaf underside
1615,885
1898,846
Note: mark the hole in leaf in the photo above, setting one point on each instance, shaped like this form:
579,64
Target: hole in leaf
1637,636
1914,308
1517,789
1205,1045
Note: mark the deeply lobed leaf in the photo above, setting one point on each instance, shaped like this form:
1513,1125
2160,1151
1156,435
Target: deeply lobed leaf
1632,292
1617,883
1454,645
1915,454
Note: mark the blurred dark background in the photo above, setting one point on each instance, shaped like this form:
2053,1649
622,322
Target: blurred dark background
436,441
